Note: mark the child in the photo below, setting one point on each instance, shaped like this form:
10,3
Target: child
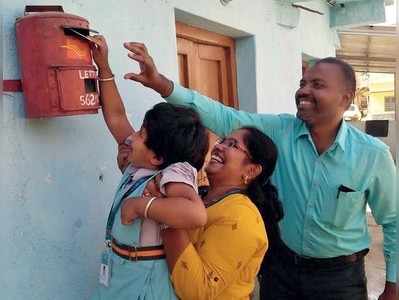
171,145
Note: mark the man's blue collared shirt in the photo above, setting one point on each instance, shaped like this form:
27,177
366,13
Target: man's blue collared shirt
324,196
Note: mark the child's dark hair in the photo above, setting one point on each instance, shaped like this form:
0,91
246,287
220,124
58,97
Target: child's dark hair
261,191
176,134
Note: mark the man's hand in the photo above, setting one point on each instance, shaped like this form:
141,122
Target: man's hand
128,211
390,292
149,75
100,52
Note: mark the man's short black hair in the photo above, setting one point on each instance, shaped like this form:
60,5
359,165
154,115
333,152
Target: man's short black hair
346,69
176,134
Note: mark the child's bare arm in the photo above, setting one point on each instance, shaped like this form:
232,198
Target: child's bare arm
180,208
111,102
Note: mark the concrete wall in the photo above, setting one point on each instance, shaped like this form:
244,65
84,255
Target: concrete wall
58,175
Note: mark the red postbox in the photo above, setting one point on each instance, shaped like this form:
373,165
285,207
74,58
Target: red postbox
57,71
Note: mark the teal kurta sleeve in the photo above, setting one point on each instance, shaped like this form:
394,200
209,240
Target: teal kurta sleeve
222,119
382,199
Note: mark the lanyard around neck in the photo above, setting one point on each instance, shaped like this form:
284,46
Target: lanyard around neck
117,204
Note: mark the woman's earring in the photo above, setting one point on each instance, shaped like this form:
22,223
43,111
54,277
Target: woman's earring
245,179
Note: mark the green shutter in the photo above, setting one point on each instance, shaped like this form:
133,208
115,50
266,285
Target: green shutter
357,12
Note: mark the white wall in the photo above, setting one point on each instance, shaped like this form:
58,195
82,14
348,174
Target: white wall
58,175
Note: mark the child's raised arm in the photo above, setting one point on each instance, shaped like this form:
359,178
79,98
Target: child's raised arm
112,106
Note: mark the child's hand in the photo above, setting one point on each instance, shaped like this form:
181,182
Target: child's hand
100,51
129,211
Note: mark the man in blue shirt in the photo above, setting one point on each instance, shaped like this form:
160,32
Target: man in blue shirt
327,172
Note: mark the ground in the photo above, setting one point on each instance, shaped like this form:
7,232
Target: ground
375,264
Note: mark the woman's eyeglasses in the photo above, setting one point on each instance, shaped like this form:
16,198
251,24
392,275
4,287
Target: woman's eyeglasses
233,143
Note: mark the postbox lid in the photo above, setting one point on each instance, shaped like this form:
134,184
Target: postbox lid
50,15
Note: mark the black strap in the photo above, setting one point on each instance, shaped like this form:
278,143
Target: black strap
227,193
155,257
132,248
283,252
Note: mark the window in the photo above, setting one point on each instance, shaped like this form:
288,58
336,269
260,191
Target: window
389,103
375,95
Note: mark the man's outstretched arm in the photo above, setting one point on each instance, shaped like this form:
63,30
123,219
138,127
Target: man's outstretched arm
217,117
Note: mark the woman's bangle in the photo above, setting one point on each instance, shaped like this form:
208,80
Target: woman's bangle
147,207
107,79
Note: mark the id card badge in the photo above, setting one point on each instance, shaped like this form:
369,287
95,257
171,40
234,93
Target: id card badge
105,268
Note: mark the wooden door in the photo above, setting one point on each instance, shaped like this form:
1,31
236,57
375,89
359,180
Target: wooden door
207,64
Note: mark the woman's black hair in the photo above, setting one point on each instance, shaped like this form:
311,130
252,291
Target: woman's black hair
261,191
176,134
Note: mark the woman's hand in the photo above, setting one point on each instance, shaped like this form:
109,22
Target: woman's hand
133,208
149,75
100,52
152,188
129,211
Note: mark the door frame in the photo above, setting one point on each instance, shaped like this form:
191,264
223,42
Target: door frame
206,37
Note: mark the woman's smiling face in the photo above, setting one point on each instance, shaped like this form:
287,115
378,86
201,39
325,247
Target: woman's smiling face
230,158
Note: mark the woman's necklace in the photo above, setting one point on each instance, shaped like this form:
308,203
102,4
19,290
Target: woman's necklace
218,197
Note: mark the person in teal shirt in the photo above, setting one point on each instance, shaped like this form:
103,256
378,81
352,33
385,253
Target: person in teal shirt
327,173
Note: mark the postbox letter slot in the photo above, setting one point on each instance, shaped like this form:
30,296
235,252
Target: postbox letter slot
76,31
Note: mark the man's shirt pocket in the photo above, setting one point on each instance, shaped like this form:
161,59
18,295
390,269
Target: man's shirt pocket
343,209
348,208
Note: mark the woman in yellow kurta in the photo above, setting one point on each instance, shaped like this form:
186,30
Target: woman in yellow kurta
221,260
